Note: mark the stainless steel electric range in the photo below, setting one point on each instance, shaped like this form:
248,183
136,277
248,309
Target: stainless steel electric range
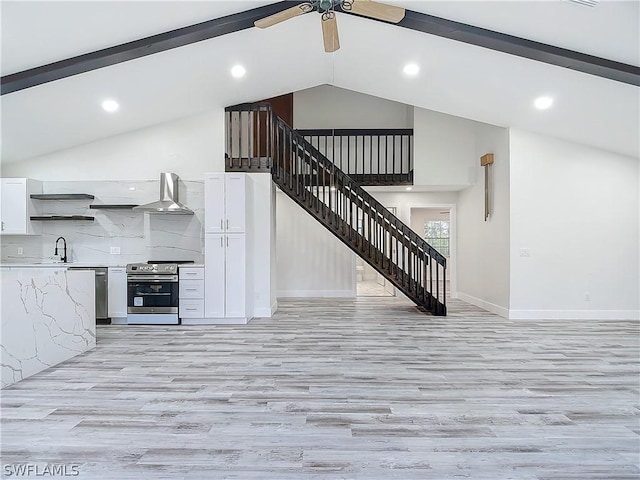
152,293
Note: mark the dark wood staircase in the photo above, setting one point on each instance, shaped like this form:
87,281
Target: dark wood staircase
342,206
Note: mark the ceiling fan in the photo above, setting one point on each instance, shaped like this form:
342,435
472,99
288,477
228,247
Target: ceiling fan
326,8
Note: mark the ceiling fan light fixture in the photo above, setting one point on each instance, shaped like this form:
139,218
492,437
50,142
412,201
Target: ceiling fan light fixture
411,69
325,5
327,8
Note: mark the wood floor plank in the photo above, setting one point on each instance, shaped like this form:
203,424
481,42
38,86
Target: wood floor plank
365,388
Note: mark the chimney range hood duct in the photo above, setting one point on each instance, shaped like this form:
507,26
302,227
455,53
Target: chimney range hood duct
168,202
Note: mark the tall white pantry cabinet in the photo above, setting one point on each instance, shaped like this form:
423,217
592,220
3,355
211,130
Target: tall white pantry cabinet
228,297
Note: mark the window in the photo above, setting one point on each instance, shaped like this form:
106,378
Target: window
436,234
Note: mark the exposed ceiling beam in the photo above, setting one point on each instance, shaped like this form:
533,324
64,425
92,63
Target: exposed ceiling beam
501,42
421,22
137,48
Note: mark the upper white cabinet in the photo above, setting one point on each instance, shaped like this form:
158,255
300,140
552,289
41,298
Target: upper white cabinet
225,202
16,206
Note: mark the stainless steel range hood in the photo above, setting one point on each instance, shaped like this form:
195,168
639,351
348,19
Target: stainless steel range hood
168,202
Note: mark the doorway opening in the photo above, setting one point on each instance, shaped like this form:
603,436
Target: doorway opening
369,283
436,225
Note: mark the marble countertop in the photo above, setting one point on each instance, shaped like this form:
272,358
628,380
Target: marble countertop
78,264
55,265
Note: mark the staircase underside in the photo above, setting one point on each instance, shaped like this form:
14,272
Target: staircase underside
311,203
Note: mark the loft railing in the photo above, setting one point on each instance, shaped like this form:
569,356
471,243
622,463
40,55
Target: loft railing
249,138
338,202
370,156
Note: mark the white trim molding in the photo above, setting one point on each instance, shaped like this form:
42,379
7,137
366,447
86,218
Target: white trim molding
574,314
315,293
265,312
491,307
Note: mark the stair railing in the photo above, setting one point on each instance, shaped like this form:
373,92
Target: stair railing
359,220
374,156
249,140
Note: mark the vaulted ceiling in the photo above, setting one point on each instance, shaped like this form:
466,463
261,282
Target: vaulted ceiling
455,78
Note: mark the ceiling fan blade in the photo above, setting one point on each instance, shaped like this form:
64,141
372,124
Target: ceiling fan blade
381,11
283,15
330,32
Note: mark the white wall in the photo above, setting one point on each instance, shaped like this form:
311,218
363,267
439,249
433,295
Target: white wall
188,147
263,231
311,262
483,247
575,211
332,107
444,150
404,202
420,216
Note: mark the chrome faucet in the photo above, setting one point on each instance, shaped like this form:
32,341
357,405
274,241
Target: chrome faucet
64,257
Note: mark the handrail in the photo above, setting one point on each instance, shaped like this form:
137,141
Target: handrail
343,132
418,251
367,197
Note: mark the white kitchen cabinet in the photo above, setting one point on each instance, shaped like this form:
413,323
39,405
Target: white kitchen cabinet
117,294
226,280
228,283
191,294
225,202
214,275
16,206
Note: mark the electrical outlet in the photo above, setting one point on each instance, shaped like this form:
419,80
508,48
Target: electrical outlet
115,250
20,251
525,252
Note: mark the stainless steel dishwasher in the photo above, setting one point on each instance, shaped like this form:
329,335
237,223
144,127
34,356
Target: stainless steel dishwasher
102,288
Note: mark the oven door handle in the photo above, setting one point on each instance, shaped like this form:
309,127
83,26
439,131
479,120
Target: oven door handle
152,279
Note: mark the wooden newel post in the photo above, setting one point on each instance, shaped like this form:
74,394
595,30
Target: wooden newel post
485,161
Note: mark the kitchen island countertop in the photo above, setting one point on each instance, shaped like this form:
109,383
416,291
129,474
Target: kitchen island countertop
57,265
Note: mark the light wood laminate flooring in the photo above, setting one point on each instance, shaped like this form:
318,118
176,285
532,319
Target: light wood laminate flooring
365,388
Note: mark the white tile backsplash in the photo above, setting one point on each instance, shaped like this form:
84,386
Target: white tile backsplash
140,236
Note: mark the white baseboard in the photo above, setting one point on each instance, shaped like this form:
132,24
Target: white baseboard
265,312
315,293
574,314
215,321
118,320
478,302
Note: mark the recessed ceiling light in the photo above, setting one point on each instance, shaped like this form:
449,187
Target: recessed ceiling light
238,71
411,69
542,103
408,188
110,106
